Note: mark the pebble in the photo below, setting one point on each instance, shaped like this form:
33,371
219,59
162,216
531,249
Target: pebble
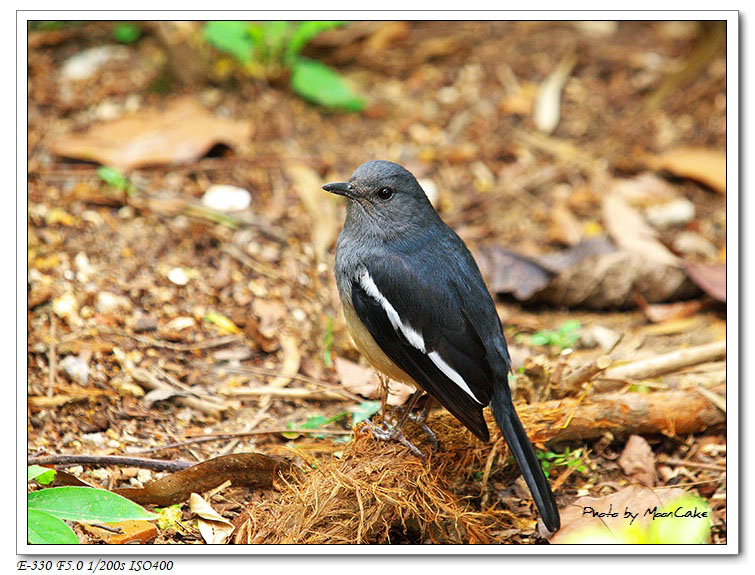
109,303
178,276
674,213
96,439
600,336
67,307
180,323
233,354
88,62
75,368
84,269
226,198
101,474
143,324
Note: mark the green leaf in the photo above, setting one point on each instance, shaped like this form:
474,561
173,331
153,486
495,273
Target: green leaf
126,32
316,82
86,504
113,178
40,474
569,326
328,356
364,411
274,36
540,338
314,422
43,528
303,33
231,37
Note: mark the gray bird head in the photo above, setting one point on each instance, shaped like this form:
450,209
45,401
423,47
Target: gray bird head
385,199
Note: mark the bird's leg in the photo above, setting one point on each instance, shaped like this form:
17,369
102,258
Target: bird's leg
384,391
420,418
395,433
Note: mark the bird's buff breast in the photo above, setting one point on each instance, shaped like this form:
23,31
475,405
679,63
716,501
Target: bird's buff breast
369,348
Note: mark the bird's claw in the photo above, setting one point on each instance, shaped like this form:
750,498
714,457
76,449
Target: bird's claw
419,419
393,434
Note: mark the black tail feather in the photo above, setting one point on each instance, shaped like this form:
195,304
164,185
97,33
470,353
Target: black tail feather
513,431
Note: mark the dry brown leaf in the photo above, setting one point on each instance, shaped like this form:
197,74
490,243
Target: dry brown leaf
270,313
609,515
638,461
385,34
630,231
592,274
319,205
132,531
214,528
710,277
364,381
645,189
181,132
506,271
662,312
700,164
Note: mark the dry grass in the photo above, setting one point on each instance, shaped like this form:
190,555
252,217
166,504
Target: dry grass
377,489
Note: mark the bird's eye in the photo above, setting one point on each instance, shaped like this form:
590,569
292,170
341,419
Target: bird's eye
385,193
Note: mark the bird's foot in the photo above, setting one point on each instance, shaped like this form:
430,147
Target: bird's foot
419,419
394,434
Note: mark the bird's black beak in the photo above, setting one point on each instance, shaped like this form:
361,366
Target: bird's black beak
340,188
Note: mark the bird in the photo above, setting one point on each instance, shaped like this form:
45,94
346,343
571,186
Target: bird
418,309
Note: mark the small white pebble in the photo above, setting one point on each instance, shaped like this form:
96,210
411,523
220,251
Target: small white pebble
144,475
178,276
84,269
87,63
226,198
109,303
75,368
126,213
67,308
180,323
673,213
100,474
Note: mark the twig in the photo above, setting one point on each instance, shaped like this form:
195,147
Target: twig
207,344
52,362
294,393
325,385
668,362
262,269
680,462
205,405
580,375
223,436
104,527
122,460
273,431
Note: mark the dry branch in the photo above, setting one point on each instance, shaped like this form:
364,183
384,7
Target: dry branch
668,362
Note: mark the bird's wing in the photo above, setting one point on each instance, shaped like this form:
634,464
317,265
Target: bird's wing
428,335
